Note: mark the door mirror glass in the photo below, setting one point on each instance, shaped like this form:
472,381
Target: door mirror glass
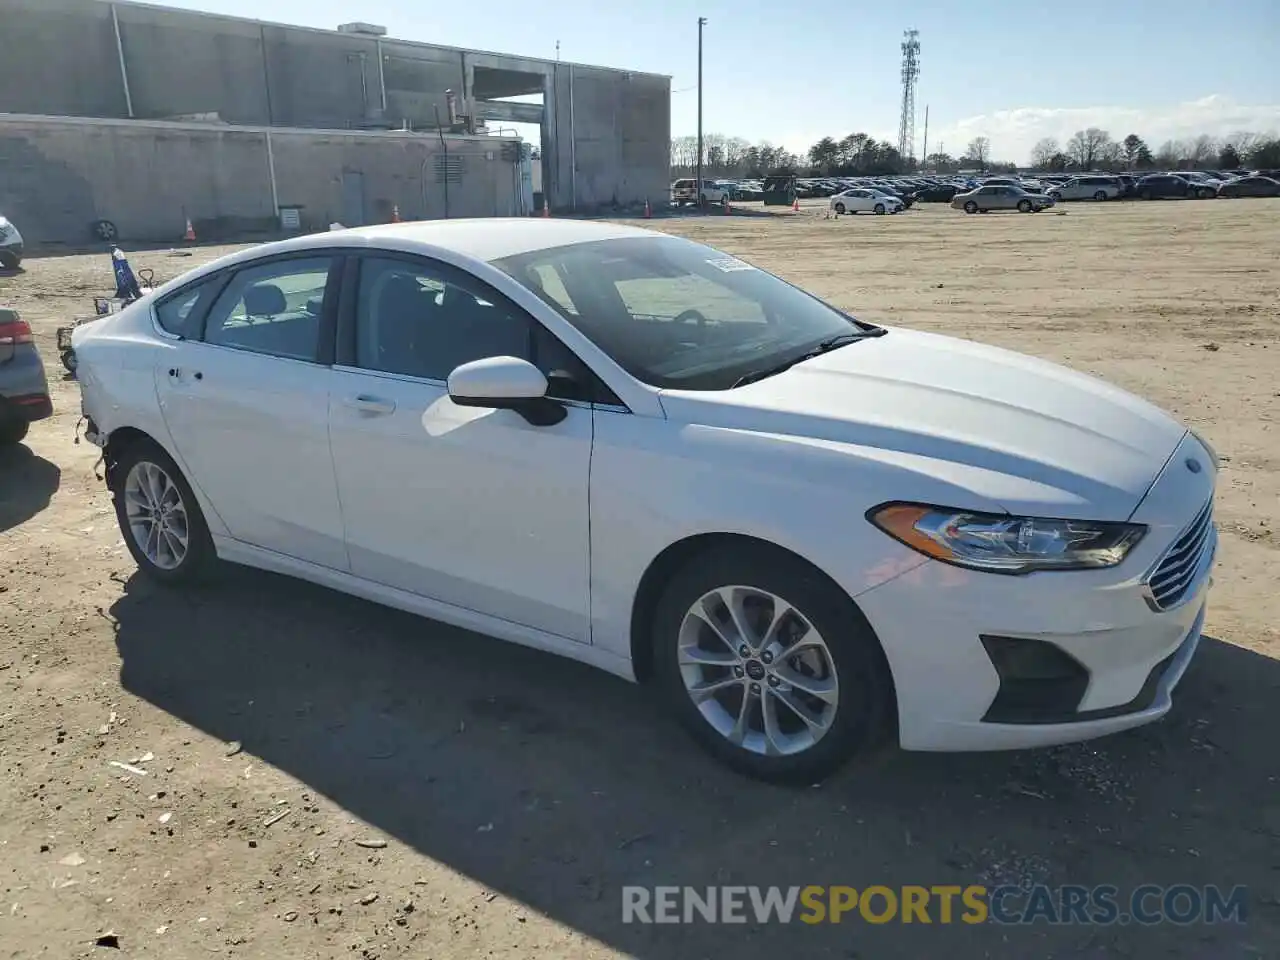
505,383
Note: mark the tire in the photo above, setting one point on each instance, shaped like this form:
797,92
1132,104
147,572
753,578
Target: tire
1024,206
69,360
9,261
1144,194
879,208
13,432
197,558
1100,195
1055,197
104,230
970,207
1204,194
855,723
840,209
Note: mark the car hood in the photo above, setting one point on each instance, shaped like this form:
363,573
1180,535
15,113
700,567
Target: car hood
1029,435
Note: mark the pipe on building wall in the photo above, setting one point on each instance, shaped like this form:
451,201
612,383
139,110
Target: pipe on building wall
573,149
271,167
382,78
124,70
266,75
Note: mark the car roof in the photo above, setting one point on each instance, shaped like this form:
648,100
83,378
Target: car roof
484,239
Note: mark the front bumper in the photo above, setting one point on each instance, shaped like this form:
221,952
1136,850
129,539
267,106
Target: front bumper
1127,656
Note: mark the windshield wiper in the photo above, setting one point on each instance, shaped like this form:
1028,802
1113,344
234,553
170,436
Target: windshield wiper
825,346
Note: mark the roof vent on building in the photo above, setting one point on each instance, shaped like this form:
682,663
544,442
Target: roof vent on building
363,29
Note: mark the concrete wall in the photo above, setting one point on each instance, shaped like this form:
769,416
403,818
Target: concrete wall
611,137
57,176
607,143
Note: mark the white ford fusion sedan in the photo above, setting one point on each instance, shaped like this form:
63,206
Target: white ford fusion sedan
808,533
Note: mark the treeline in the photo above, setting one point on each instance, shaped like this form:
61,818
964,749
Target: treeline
859,154
1095,149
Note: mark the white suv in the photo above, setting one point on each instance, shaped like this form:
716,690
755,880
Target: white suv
682,192
1088,188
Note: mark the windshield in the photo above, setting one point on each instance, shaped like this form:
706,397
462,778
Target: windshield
677,314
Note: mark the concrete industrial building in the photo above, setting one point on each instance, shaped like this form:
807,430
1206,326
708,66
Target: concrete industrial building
145,116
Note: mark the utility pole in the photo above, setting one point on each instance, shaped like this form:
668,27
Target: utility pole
924,152
557,50
702,22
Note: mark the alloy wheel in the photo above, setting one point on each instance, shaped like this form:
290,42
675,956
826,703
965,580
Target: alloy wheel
758,671
156,515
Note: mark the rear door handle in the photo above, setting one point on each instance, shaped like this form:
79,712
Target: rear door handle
373,405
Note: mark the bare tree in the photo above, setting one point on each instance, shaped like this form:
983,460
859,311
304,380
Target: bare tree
1043,152
1170,155
1086,146
1201,150
979,151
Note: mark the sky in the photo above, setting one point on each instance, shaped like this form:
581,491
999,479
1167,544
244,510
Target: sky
1013,72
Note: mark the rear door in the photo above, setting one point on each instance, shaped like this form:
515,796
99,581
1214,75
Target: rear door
246,401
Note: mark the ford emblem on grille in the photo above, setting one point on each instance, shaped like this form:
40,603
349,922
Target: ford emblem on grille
1193,465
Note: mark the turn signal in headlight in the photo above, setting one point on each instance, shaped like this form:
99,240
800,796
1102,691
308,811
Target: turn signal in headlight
1000,543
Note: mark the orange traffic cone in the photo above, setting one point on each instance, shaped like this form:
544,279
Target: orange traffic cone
648,211
795,205
395,213
190,235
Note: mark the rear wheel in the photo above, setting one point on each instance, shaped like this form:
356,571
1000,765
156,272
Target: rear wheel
840,208
1100,195
158,515
769,666
970,207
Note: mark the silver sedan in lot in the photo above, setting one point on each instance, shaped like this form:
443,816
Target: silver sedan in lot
999,197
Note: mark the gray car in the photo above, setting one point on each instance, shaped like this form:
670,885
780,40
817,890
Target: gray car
24,389
999,197
11,248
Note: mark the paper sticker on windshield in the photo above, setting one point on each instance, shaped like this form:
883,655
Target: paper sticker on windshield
729,265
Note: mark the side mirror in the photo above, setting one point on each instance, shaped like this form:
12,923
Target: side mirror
506,383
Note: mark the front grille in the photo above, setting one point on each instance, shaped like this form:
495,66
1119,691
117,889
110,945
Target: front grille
1174,573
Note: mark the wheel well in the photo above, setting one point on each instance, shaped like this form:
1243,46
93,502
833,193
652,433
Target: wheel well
665,565
120,440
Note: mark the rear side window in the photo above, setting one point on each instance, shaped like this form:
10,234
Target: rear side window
272,309
181,313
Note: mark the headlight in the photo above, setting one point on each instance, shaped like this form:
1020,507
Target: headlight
1213,454
999,543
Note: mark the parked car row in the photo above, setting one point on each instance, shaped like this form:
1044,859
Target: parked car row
1045,190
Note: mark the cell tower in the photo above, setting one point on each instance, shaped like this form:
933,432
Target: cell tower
910,74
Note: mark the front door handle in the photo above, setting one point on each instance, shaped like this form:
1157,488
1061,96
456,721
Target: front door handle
372,405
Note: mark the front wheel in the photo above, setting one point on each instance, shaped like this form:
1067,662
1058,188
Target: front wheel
159,517
879,208
1024,206
769,666
970,207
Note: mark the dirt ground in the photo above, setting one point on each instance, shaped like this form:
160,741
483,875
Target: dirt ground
326,778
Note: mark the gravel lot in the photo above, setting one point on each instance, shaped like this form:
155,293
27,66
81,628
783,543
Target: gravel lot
326,778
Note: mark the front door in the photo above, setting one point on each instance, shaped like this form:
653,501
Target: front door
247,408
472,507
352,198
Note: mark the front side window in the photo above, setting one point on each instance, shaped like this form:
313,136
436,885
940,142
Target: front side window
274,309
415,319
677,314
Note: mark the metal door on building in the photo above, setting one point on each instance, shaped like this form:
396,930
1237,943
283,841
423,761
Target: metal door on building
352,198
